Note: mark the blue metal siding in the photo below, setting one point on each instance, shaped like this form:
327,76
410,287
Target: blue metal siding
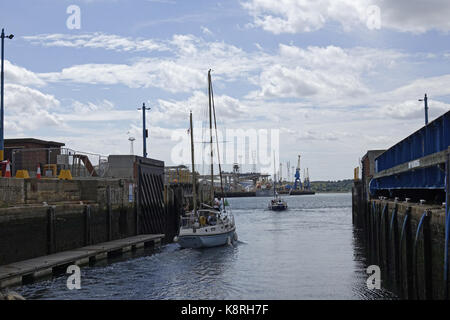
424,178
428,140
433,138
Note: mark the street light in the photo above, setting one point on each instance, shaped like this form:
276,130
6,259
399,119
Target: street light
144,130
2,112
131,139
425,100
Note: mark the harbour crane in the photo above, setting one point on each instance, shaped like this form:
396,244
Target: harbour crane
298,182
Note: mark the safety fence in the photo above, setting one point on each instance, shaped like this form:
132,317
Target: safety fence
179,174
51,161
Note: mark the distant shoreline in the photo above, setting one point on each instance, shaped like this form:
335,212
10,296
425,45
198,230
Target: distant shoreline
333,192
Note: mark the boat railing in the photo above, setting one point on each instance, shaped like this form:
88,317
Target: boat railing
191,221
228,213
188,221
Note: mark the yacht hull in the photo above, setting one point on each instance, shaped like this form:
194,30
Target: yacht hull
206,241
278,208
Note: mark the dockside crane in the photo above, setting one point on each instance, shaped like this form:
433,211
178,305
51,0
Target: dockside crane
298,182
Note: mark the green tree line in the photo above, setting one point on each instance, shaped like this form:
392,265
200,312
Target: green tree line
332,186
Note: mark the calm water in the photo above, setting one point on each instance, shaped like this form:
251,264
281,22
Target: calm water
307,252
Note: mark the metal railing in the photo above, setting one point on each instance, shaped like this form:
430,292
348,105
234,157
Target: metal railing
194,220
52,160
179,174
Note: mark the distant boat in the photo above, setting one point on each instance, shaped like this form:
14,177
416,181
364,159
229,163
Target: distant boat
276,204
211,225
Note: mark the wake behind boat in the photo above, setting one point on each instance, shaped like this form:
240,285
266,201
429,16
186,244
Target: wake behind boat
209,226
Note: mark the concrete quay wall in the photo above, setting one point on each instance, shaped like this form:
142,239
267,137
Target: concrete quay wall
40,217
31,191
33,231
407,241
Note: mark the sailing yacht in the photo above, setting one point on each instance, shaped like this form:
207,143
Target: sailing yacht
276,204
213,224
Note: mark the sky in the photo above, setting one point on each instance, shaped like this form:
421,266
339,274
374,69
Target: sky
334,78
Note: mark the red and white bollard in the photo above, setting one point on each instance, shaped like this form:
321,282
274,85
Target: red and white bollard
38,172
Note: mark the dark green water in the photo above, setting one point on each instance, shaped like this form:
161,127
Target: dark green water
310,251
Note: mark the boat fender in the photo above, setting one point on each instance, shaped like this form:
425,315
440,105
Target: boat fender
175,239
235,237
229,240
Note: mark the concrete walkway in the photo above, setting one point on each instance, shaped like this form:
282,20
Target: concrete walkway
14,273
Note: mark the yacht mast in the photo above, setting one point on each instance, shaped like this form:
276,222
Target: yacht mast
210,133
194,191
274,177
217,144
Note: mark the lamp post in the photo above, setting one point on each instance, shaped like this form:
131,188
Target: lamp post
425,100
2,112
131,139
144,130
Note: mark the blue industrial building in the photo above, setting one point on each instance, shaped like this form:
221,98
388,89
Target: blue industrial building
415,165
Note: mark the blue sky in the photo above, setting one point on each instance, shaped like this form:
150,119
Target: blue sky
318,71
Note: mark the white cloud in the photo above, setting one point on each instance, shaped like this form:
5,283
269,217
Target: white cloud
186,57
294,16
164,74
322,74
434,86
293,72
311,135
96,40
19,75
177,111
29,109
415,16
414,109
297,16
206,31
24,99
100,111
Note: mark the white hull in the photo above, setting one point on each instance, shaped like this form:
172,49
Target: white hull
193,240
